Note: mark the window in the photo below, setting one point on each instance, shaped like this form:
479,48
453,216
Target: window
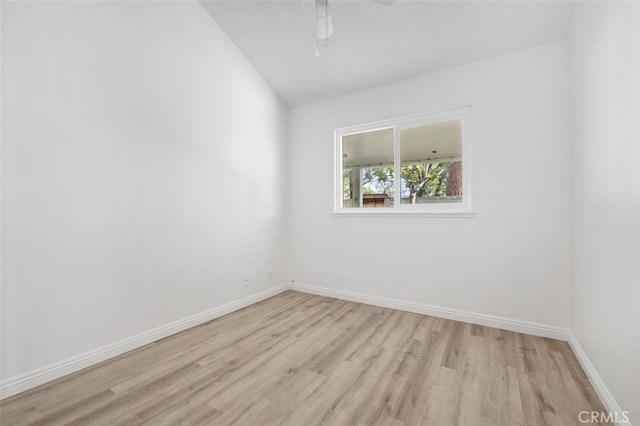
417,165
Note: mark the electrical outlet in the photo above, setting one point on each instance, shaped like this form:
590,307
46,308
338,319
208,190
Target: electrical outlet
270,274
245,280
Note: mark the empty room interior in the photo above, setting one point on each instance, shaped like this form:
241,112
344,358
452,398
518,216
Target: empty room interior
375,212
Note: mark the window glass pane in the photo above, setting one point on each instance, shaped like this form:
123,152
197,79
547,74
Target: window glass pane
367,169
431,163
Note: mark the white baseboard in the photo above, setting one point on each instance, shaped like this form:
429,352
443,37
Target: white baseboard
56,370
605,396
453,314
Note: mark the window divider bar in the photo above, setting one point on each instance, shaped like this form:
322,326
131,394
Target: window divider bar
397,197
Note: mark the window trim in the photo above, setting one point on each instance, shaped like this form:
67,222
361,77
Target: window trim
462,209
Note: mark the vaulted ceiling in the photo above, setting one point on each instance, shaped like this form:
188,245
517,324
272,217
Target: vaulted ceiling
378,42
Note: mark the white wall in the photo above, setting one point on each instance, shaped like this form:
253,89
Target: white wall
142,174
512,259
605,208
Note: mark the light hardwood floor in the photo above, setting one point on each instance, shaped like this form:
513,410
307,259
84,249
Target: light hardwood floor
300,359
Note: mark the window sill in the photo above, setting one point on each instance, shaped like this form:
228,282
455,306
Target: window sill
405,213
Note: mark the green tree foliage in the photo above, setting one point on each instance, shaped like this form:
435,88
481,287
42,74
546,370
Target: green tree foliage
378,180
347,184
425,180
418,180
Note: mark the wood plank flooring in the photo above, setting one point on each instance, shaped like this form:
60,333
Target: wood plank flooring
300,359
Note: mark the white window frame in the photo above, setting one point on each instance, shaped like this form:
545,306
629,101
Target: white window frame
462,209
